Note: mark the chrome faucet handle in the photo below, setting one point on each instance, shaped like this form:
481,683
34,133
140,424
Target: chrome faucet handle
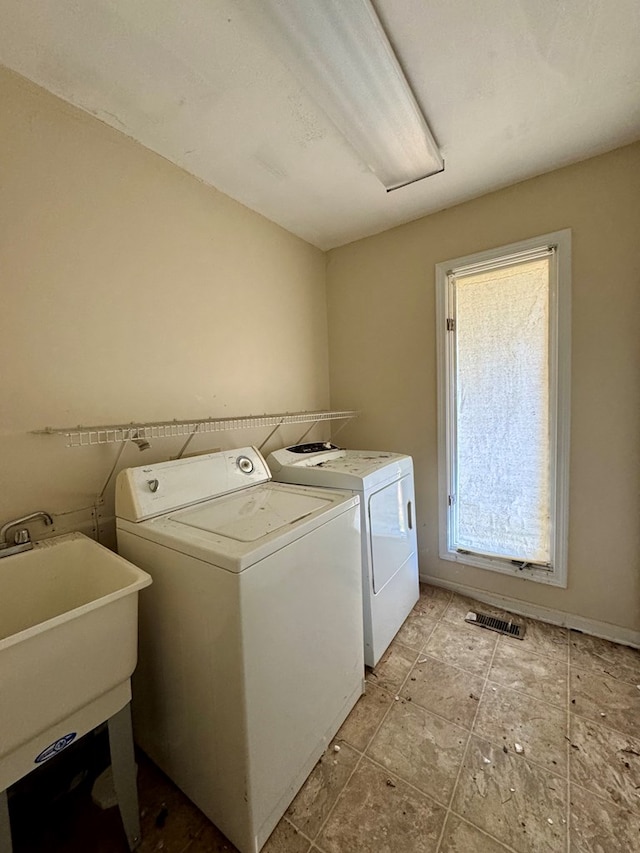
21,537
16,521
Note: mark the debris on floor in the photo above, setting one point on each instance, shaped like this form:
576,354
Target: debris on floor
162,816
171,823
103,792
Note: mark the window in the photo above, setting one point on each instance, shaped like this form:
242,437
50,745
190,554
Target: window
503,407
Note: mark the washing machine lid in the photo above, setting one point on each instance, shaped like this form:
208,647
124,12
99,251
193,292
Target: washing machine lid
251,514
239,529
360,470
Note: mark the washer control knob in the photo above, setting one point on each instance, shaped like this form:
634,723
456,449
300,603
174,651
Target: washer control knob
244,464
153,485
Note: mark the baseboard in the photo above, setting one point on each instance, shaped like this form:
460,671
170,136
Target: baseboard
605,630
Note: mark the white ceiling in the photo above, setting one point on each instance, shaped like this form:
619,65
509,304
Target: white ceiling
511,89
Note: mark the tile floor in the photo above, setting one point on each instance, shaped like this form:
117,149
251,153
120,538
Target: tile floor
427,760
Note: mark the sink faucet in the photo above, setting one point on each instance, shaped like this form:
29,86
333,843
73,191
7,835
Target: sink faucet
22,539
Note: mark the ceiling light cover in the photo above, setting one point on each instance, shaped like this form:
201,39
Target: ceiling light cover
341,54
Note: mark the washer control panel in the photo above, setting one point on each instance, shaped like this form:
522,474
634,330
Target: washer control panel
245,464
150,490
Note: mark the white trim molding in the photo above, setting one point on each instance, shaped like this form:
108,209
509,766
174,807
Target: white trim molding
604,630
556,245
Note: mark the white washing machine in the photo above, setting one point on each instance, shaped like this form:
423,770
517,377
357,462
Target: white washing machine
384,483
250,653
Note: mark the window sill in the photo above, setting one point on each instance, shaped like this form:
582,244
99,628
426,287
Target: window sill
552,577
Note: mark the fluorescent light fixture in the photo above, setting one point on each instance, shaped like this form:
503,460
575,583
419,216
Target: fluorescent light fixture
340,52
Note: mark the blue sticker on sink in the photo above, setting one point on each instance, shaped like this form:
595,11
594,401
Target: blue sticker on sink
55,747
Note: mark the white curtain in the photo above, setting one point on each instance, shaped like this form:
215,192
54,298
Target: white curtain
502,412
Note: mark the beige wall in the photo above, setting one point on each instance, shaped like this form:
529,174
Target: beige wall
131,291
383,362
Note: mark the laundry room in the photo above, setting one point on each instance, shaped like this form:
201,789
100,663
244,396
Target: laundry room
178,254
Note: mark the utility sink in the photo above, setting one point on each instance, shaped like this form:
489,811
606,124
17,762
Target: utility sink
68,646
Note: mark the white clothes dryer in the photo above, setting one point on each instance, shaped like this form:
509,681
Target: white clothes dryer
250,653
384,483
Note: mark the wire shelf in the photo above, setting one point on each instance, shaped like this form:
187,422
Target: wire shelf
85,436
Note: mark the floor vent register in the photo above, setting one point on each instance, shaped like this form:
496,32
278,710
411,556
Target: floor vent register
511,629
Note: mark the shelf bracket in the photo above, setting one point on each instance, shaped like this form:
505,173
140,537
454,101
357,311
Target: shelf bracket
273,432
306,432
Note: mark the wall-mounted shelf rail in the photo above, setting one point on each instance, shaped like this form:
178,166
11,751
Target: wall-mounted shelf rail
84,436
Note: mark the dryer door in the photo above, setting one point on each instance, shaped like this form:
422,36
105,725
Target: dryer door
391,530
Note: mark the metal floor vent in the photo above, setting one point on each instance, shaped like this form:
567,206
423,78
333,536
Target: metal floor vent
512,629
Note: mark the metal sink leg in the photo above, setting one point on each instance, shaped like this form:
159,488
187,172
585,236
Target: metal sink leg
123,766
5,825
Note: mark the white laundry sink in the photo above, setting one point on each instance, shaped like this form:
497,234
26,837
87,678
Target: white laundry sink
68,646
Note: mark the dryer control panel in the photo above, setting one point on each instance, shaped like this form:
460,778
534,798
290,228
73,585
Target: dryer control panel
312,447
304,455
150,490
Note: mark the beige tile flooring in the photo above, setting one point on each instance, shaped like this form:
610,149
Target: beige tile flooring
427,761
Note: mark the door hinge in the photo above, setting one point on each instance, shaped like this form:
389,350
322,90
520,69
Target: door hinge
451,500
451,324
